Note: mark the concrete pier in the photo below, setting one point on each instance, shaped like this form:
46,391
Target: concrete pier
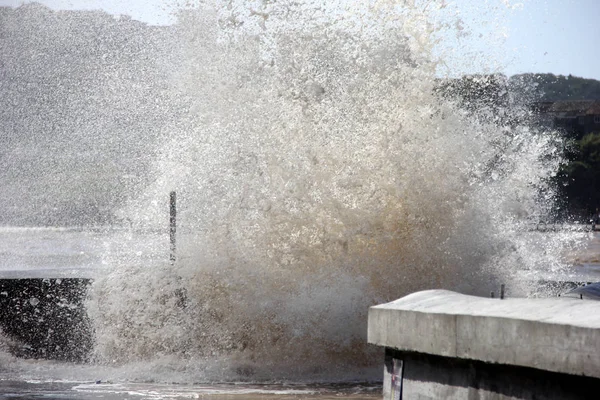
441,344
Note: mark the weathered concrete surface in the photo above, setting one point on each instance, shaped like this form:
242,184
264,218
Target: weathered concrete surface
552,334
434,377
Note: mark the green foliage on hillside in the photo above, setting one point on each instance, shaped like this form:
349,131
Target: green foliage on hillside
550,87
579,178
578,181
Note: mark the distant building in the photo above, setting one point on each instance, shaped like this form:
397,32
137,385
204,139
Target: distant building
577,117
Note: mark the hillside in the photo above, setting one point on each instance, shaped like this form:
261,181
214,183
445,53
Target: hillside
550,87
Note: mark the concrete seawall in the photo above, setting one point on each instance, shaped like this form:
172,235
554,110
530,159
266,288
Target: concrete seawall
483,341
42,313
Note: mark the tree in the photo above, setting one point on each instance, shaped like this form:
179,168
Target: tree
579,179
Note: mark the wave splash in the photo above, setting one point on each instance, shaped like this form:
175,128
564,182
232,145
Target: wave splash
318,172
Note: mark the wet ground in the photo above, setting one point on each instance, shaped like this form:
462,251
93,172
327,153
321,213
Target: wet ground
30,390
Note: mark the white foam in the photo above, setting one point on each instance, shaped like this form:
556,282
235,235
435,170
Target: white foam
318,172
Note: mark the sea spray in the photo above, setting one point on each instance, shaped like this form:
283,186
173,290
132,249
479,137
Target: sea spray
318,172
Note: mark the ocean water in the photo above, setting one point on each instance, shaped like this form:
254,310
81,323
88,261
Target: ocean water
318,171
81,251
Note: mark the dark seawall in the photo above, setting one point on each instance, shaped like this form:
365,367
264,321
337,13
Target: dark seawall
46,317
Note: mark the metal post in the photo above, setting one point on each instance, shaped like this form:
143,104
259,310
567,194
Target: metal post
502,291
173,224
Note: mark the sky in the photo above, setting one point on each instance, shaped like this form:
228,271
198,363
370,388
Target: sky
505,36
558,36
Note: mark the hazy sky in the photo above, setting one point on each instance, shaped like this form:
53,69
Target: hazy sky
509,36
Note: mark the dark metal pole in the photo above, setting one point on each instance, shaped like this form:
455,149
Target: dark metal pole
502,291
173,224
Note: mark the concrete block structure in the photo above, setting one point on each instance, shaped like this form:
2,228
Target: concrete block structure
444,345
42,314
